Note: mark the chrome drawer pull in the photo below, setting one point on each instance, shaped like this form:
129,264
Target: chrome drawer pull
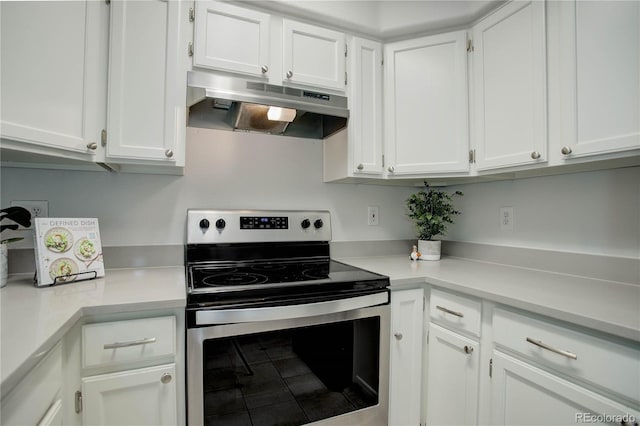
448,311
140,342
552,349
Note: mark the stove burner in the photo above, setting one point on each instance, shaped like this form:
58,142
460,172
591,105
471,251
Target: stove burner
316,272
234,278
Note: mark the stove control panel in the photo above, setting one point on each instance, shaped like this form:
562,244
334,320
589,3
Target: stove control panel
247,226
264,222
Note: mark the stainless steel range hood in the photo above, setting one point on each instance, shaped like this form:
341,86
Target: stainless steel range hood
221,102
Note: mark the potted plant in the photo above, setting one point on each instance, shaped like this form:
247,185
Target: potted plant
431,210
20,216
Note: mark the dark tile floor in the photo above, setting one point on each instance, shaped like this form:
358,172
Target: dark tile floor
274,386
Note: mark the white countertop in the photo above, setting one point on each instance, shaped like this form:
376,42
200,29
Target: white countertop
34,319
606,306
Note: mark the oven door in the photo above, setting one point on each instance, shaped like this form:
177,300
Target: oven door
308,366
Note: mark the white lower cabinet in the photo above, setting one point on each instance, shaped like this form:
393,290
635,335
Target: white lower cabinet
36,398
145,396
129,373
523,394
405,357
546,373
452,383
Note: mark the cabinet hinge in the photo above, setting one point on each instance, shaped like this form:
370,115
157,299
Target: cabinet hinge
383,160
78,402
491,367
103,137
382,60
345,78
346,50
472,156
427,337
192,15
190,49
469,45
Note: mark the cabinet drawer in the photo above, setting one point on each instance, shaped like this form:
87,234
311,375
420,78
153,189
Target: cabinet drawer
110,343
455,312
605,364
30,400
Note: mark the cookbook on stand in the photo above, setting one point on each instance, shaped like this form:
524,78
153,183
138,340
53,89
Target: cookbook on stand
67,250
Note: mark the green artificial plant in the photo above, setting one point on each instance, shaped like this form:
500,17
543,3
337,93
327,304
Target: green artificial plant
431,210
19,215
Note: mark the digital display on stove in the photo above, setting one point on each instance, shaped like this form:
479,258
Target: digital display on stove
264,222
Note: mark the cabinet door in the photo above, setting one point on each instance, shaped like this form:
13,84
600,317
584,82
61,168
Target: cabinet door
146,118
509,62
452,384
405,372
600,77
313,56
231,38
365,106
53,75
525,395
426,105
145,396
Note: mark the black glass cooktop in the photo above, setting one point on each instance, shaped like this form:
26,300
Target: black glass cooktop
232,276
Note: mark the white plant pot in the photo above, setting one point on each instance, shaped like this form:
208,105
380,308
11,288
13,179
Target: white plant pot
429,250
4,264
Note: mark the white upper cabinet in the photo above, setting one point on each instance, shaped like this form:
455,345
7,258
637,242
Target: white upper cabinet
426,105
147,86
509,65
600,77
231,38
313,56
54,77
365,106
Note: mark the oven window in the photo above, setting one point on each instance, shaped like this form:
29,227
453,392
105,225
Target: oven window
293,376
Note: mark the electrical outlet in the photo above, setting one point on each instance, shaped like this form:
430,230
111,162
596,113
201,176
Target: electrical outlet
506,218
373,213
38,208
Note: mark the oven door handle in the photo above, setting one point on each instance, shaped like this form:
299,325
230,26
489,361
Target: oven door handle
271,313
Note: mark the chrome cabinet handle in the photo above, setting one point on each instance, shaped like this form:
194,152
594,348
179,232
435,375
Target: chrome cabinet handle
390,169
552,349
140,342
566,150
92,146
289,74
165,378
468,349
360,166
449,311
169,153
535,155
264,69
398,336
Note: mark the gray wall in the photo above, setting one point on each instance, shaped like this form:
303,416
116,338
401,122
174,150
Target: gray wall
223,170
594,212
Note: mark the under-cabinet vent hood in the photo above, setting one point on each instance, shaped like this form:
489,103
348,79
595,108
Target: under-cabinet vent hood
221,102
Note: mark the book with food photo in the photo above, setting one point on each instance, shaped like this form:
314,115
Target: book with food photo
67,250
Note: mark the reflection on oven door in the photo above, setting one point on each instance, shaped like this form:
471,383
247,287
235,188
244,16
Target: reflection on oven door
293,376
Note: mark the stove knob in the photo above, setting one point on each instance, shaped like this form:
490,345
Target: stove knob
220,224
204,224
318,223
305,224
